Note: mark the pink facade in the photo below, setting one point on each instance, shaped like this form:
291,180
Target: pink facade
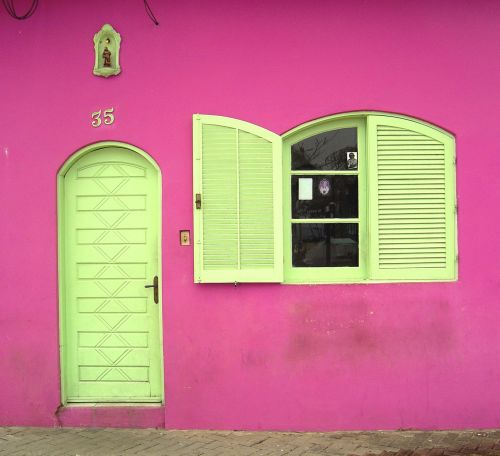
291,357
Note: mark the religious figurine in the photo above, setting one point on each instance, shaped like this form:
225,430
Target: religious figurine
106,55
107,52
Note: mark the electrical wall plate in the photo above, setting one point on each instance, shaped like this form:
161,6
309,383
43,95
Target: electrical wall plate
185,237
107,52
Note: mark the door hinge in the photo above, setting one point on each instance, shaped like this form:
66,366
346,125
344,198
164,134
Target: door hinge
198,201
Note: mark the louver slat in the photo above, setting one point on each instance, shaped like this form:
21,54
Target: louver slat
256,198
238,234
220,227
411,201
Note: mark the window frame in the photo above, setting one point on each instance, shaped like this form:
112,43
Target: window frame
374,257
306,275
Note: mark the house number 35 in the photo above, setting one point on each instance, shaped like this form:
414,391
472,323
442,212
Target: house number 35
101,116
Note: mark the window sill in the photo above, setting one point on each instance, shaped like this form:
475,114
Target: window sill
365,282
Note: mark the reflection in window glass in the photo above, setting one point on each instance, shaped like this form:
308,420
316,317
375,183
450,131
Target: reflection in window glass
324,196
325,244
332,150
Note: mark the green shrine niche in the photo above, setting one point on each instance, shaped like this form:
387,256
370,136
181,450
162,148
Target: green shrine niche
107,52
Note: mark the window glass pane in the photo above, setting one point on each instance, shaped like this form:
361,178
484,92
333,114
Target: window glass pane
333,150
324,196
325,244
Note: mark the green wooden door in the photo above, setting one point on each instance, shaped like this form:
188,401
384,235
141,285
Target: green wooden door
110,229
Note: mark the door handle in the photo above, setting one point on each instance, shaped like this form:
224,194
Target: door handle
155,286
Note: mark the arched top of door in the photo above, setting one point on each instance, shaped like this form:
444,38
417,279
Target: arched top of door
72,159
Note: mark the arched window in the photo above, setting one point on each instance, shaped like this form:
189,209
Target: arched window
349,198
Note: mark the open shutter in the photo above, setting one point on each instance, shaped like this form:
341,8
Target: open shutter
412,205
238,217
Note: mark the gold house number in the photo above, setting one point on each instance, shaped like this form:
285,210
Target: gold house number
107,116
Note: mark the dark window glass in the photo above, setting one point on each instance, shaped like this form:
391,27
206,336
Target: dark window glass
324,196
333,150
325,244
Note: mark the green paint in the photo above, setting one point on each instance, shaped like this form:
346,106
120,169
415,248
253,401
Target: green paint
407,217
107,52
325,275
411,201
109,237
238,229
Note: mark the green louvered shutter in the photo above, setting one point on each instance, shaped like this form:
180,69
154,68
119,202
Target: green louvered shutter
238,228
412,204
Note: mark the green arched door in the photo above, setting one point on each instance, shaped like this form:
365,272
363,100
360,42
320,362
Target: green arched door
110,230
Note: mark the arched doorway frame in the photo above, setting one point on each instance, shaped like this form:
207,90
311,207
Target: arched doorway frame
63,170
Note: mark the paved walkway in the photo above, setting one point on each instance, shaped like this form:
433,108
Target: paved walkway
108,442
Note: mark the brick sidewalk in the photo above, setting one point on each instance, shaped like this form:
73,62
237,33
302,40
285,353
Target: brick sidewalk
109,442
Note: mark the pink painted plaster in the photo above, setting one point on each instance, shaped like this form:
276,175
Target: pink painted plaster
377,356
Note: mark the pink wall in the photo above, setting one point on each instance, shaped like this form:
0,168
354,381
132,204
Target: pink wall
257,356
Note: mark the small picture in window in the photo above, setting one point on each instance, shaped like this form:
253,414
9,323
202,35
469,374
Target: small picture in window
352,160
305,188
324,187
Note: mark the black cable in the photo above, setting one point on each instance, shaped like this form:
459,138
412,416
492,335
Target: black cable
149,11
9,6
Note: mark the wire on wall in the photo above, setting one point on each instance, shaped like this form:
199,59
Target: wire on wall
9,6
150,12
11,9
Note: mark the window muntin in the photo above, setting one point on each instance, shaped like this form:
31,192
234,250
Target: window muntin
325,203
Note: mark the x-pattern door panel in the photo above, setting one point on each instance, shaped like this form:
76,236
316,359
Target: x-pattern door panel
111,253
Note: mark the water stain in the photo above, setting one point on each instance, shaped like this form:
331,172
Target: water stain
360,331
